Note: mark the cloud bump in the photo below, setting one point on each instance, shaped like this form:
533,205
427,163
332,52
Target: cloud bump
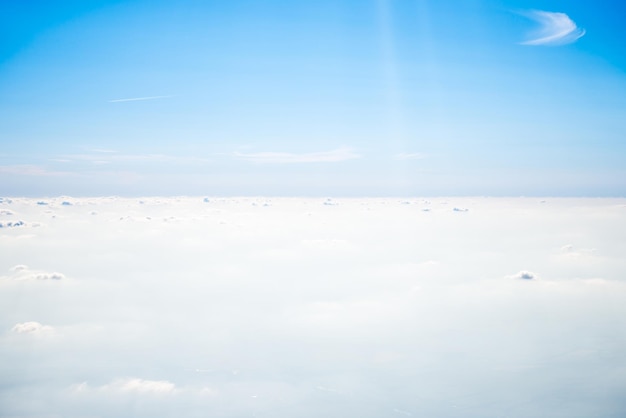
524,275
22,272
130,385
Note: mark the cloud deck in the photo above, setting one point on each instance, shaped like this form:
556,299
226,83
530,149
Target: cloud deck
297,307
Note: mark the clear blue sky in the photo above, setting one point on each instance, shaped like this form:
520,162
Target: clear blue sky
320,97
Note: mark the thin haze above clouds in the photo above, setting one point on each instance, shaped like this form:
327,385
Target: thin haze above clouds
555,29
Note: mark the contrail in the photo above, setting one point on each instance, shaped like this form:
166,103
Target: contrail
134,99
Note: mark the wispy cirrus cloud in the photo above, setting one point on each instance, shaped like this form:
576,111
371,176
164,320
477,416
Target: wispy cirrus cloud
137,99
555,29
333,156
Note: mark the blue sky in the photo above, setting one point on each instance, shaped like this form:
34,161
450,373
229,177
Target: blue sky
321,98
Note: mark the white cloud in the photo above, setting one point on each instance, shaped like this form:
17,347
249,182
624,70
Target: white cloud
12,224
31,327
556,29
524,274
48,276
337,155
135,385
22,272
570,251
299,297
19,267
584,262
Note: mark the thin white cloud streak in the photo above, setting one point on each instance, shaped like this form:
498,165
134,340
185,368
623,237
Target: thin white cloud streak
99,158
109,157
337,155
140,385
137,99
104,150
556,29
137,386
31,170
410,156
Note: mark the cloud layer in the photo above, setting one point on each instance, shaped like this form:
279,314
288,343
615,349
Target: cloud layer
230,307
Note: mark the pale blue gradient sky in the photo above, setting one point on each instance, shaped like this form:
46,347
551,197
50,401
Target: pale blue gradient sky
341,91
